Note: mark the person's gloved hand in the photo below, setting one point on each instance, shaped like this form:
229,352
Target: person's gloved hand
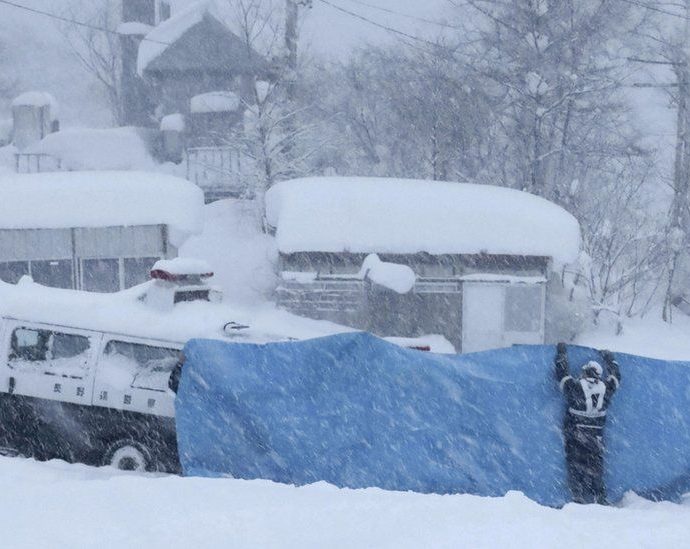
607,355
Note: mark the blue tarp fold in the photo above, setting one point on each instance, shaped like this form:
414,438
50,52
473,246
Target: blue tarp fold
356,411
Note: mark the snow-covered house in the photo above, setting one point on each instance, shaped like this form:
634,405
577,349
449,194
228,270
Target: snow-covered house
471,262
193,67
96,231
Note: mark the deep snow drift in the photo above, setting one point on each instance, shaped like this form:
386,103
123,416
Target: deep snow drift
58,505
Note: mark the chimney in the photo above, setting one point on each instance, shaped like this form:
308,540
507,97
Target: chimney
34,115
138,18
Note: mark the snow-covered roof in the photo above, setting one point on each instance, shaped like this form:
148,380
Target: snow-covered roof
160,38
37,99
216,101
99,199
381,215
97,149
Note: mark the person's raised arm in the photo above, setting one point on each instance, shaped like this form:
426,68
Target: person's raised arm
614,378
561,366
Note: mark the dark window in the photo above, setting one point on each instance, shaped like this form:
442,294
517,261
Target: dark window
55,273
523,308
138,269
100,275
142,11
145,366
55,353
164,12
12,271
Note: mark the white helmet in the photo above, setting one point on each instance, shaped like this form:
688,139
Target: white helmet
592,369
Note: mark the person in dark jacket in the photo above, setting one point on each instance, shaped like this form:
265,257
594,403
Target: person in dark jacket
587,399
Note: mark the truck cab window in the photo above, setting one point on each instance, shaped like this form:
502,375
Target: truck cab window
53,353
145,366
29,345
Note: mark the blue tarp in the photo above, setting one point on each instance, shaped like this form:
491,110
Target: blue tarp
356,411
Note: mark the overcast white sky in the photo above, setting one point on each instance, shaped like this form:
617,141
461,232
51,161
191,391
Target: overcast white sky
329,31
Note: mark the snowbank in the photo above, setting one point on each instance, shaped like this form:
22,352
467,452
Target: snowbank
242,256
108,509
358,412
379,215
99,199
649,336
217,101
97,149
173,123
37,99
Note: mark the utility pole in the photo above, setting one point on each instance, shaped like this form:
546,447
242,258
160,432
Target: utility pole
292,8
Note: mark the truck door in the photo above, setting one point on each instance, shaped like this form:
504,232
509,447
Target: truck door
50,362
133,375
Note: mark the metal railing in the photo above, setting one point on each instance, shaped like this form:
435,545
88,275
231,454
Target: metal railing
36,163
218,171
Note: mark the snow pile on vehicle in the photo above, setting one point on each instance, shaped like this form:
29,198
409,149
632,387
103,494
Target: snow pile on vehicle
358,412
381,215
54,200
126,313
183,266
97,149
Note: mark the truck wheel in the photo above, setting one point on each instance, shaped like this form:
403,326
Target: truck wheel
128,455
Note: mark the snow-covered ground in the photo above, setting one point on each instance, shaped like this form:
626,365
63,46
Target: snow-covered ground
58,505
649,337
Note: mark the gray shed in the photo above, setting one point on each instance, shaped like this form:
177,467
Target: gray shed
95,231
471,262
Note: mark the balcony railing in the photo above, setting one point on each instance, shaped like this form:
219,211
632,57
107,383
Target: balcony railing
219,172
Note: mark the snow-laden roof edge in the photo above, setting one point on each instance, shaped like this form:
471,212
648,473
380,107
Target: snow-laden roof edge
385,215
53,200
160,38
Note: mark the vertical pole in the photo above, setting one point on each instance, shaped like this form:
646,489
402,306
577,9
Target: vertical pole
291,18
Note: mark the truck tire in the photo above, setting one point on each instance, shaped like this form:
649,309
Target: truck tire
128,455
